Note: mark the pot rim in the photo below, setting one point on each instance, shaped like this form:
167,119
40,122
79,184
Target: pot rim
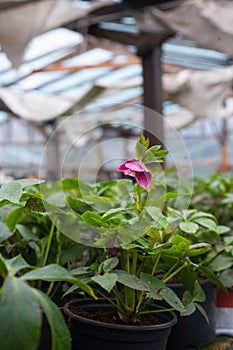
166,324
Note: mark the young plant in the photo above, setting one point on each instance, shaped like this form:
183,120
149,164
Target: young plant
131,235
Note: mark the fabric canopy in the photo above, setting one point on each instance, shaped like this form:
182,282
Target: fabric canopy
35,106
207,22
202,92
20,24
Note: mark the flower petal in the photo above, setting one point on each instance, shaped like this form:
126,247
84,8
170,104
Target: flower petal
121,167
136,165
144,179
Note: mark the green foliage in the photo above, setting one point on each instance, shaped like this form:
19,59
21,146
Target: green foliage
21,304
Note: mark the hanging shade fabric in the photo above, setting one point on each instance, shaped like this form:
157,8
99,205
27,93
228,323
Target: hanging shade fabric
202,92
21,21
36,106
207,22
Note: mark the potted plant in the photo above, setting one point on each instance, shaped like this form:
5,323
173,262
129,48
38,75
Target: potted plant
21,306
29,318
27,229
123,223
214,194
198,227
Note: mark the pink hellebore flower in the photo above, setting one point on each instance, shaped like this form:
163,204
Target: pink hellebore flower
138,170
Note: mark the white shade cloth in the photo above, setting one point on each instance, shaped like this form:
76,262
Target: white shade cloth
208,22
20,24
202,92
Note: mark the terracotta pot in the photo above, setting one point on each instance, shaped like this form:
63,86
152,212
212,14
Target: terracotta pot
224,313
224,299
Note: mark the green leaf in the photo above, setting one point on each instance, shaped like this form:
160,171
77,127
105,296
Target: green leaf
205,272
221,262
141,146
29,182
107,281
131,281
140,151
54,272
59,331
20,316
157,215
35,204
154,155
154,285
223,229
5,233
110,264
198,249
93,219
3,267
202,311
207,223
198,293
11,191
202,214
16,264
188,227
99,203
68,184
14,217
226,278
171,298
188,303
26,233
112,213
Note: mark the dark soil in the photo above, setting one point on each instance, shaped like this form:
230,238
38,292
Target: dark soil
112,317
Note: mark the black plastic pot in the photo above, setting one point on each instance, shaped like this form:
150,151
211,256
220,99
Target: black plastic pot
89,334
194,331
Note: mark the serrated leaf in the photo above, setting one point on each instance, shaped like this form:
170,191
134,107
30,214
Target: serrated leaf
154,285
110,264
171,298
107,281
131,281
188,304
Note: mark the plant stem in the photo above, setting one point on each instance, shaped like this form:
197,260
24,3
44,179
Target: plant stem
170,270
49,242
155,265
173,274
156,311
